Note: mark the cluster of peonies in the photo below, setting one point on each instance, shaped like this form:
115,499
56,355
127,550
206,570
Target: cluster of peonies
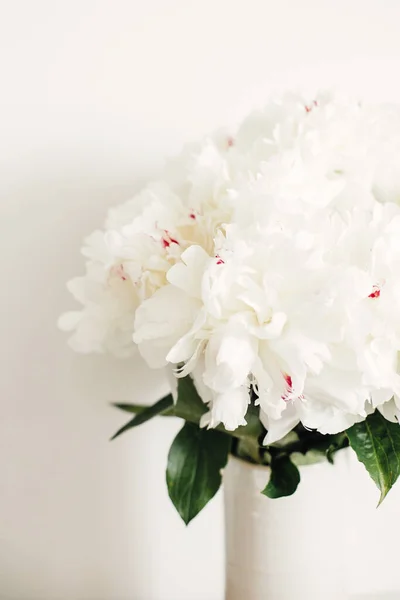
268,261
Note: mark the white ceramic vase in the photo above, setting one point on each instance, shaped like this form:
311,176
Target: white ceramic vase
291,548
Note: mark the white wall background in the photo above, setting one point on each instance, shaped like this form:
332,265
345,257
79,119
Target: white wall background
93,95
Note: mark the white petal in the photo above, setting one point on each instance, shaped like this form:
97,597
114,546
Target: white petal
390,411
278,428
173,382
161,321
230,408
273,328
69,320
187,275
229,357
197,374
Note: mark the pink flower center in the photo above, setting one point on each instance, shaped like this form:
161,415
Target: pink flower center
313,105
167,240
288,395
119,272
219,260
289,382
375,293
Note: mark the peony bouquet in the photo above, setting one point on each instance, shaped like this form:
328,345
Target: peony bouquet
263,272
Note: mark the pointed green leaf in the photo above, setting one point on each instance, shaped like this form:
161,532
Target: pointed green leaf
131,408
285,477
190,407
145,415
376,442
194,468
139,408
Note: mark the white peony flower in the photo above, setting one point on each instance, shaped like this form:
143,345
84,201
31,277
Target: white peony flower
266,261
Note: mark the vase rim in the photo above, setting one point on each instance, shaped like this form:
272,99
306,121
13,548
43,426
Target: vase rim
299,463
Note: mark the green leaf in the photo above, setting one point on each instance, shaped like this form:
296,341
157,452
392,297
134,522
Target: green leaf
285,477
376,442
139,408
330,454
189,405
254,428
194,468
145,415
338,442
131,408
248,449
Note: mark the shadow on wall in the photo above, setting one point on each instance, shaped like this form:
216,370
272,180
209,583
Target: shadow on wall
82,514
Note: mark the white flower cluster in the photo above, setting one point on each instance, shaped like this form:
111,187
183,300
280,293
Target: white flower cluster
269,261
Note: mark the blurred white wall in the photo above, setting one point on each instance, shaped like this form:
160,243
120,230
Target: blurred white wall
93,95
